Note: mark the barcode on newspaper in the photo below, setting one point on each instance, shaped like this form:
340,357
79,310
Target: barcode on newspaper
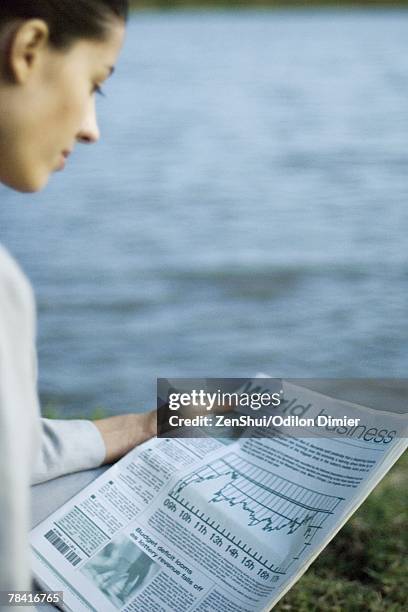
62,547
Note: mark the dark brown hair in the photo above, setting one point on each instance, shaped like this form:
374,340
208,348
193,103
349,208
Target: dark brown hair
67,20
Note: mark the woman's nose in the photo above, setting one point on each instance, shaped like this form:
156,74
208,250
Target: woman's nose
89,131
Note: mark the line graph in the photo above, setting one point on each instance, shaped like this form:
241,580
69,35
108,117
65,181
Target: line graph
268,503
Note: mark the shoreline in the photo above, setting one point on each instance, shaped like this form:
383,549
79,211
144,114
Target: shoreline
267,5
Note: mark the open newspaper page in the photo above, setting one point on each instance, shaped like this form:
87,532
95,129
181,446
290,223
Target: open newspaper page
210,524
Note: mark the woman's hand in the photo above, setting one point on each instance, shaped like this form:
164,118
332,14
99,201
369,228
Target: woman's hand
122,433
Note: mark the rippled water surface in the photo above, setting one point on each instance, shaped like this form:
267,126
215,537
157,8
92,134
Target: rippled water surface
246,210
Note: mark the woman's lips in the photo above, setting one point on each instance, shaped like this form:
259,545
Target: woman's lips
63,160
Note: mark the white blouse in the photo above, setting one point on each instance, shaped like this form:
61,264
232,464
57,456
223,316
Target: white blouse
32,449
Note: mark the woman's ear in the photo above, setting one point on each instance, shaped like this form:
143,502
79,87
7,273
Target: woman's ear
28,41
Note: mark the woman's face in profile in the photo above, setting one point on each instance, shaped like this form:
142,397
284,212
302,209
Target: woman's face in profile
55,108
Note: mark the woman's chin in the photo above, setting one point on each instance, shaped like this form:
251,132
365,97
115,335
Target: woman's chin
27,183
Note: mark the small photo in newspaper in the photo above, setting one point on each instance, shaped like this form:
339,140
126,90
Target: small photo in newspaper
120,570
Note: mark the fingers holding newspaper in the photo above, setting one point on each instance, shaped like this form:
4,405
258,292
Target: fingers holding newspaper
186,416
122,433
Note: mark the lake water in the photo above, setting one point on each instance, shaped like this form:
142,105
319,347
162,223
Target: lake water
246,210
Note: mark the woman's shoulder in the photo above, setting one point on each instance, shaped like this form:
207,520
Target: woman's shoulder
15,288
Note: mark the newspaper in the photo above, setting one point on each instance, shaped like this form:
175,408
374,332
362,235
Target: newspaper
211,524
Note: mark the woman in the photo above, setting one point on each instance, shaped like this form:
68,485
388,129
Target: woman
54,57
